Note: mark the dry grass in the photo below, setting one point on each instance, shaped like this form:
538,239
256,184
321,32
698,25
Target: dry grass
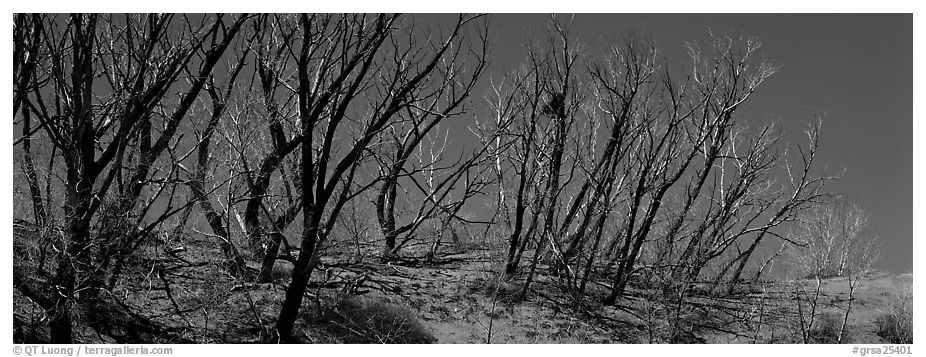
366,320
826,327
896,325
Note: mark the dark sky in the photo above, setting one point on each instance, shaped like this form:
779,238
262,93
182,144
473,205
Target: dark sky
858,68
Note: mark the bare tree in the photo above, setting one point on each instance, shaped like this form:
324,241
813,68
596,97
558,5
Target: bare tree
620,81
562,96
535,115
345,65
219,97
623,86
138,61
806,189
517,108
663,131
684,120
27,37
427,110
152,165
830,242
273,47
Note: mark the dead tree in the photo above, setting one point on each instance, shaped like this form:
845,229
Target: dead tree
829,242
561,104
690,119
859,252
344,65
157,154
622,85
433,179
517,111
736,200
272,43
138,62
26,43
219,97
806,190
535,120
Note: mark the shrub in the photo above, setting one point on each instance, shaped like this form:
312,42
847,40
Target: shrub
361,320
826,328
896,325
494,288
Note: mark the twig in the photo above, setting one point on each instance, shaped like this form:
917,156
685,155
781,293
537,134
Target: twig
170,296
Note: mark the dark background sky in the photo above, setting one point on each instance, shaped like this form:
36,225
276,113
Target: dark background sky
857,68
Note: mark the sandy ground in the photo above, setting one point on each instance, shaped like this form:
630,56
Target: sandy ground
461,300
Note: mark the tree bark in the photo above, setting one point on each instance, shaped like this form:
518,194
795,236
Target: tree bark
35,193
552,193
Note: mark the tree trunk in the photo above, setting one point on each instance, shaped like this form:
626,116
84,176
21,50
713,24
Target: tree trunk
277,239
385,212
311,216
258,188
38,206
552,193
625,269
234,260
590,264
302,270
514,242
845,318
744,258
75,256
270,257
